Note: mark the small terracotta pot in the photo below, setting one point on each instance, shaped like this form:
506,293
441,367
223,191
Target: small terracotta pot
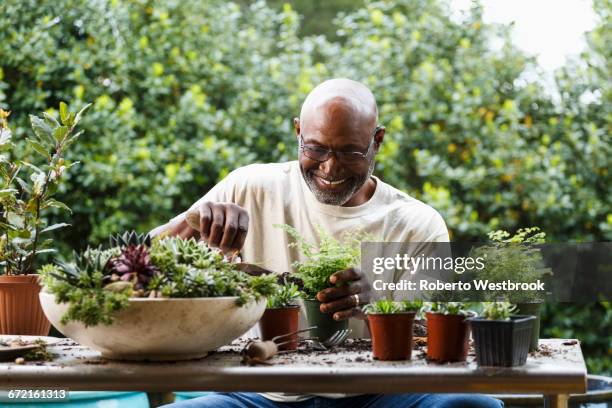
447,337
391,335
279,321
20,310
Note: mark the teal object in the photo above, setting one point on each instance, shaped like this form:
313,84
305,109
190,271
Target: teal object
84,399
187,395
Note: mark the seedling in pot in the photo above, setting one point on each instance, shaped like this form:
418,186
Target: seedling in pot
391,325
447,331
501,338
282,314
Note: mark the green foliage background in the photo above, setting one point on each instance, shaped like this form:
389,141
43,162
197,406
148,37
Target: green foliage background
186,91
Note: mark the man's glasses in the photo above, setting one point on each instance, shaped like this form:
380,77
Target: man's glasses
321,154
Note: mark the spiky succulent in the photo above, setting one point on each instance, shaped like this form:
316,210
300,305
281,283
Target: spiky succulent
133,265
130,238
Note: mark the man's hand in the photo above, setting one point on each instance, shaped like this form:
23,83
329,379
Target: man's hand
221,225
341,300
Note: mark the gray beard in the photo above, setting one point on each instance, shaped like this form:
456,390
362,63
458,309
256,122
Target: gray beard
331,198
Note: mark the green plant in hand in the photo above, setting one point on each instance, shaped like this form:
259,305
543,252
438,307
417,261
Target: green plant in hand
329,257
385,306
27,189
498,310
100,282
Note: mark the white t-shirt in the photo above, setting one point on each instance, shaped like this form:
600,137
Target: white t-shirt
277,194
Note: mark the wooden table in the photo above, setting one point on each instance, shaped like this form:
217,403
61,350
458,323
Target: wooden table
555,371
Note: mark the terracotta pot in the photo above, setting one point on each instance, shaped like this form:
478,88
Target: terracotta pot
279,321
391,335
447,337
20,310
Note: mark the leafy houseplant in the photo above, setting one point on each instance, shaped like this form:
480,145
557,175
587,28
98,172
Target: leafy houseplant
514,257
447,331
184,293
322,261
500,337
282,314
390,324
26,194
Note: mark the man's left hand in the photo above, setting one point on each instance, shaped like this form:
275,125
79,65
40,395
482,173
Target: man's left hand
350,291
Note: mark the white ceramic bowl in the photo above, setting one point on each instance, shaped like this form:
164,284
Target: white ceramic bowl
161,329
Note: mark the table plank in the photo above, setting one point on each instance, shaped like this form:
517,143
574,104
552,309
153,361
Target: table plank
560,369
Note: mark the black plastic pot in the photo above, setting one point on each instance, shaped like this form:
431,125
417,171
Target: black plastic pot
532,309
502,343
326,325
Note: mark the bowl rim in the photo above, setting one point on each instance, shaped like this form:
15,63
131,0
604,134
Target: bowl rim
144,299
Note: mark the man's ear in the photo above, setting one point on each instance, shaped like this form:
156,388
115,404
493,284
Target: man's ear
378,138
296,126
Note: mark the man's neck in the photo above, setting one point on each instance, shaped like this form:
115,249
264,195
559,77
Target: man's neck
363,195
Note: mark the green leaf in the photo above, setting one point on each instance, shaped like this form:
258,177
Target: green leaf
15,220
79,115
25,186
33,167
64,114
55,226
41,129
45,251
38,147
51,202
51,120
7,192
60,133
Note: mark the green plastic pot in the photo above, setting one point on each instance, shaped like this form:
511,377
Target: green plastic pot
326,325
531,309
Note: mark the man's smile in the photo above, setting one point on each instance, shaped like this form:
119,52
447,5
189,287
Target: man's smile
330,182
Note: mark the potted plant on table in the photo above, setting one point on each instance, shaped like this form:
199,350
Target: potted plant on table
391,328
282,314
320,264
500,337
26,195
447,331
186,297
517,258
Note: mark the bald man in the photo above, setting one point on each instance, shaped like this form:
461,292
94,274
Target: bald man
330,185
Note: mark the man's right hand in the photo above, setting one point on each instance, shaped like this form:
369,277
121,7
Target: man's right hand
221,225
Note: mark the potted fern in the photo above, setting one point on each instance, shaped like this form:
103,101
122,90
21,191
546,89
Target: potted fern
390,325
447,331
518,258
282,314
185,296
321,262
26,195
501,338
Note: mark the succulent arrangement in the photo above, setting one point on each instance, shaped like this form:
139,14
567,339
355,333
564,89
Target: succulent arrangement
323,260
385,306
100,281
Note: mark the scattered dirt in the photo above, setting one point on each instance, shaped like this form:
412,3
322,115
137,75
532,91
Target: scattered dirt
542,351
